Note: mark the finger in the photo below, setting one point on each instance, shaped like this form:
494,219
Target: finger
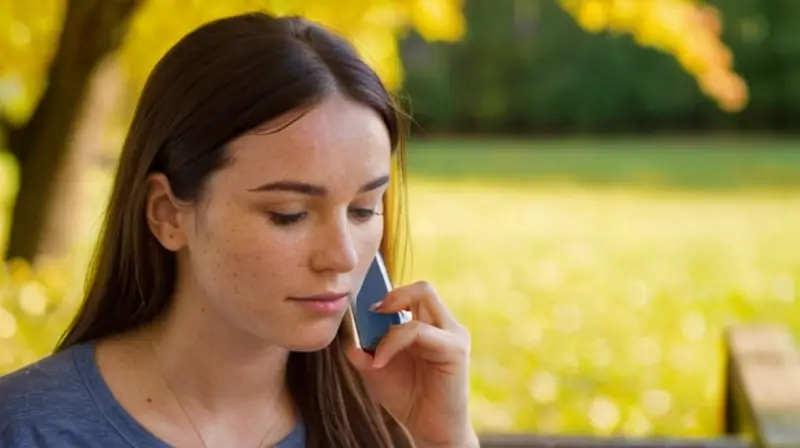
418,295
435,344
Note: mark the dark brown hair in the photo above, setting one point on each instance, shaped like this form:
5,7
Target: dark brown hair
224,79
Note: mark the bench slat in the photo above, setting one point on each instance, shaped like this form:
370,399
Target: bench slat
763,391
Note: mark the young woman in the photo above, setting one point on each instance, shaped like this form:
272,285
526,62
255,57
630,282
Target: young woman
256,185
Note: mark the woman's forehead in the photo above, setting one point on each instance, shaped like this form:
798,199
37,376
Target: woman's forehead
336,138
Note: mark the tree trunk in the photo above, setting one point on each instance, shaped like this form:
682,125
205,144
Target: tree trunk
76,200
92,29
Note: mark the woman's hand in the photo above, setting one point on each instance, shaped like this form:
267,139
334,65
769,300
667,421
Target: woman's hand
420,371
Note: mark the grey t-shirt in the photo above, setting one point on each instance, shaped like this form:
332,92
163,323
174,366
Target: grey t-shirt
62,401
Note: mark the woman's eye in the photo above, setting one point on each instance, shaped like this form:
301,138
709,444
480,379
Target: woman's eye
282,219
287,219
364,214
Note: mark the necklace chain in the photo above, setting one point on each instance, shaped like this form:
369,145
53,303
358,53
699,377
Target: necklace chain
177,400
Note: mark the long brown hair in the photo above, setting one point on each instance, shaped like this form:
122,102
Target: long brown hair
218,82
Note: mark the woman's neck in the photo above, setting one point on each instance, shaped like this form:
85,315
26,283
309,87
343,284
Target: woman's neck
199,354
190,365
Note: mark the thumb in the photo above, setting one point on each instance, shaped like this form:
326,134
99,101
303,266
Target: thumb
360,359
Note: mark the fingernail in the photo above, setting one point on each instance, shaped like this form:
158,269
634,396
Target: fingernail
375,306
376,364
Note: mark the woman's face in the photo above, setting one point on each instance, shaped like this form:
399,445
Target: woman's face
291,218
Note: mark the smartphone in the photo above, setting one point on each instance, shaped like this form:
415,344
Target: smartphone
370,327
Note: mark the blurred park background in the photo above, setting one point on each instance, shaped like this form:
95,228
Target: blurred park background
597,187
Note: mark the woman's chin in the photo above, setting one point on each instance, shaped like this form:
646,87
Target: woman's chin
309,346
311,339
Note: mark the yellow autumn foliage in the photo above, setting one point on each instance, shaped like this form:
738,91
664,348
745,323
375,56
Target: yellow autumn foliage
373,25
686,29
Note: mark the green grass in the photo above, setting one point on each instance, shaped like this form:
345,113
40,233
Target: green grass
596,283
657,162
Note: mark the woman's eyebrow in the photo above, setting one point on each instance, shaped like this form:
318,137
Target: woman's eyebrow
295,186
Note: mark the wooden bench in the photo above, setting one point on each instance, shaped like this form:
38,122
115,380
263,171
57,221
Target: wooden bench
762,401
763,386
532,441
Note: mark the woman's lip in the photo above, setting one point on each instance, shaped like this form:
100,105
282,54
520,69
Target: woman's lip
324,303
326,297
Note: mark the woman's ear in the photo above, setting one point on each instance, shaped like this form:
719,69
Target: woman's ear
165,217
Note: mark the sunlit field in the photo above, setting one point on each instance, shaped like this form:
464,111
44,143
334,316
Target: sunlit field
596,284
597,298
602,310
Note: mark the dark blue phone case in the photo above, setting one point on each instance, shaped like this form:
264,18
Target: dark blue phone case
370,325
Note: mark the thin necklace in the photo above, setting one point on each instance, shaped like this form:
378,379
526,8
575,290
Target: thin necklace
183,409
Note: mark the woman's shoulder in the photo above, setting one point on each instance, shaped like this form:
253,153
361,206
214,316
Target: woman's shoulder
43,382
62,401
43,398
